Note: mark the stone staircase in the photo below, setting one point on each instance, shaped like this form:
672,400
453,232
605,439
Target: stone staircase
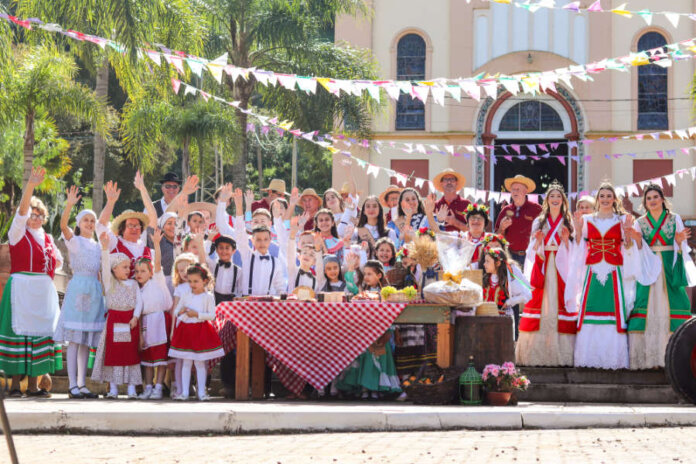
556,384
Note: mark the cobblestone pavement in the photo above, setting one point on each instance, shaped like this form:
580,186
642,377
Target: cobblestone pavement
556,446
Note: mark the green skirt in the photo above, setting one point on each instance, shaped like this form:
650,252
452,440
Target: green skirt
372,373
21,355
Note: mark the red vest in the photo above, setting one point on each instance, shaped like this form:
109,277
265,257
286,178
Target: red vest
121,248
28,256
605,247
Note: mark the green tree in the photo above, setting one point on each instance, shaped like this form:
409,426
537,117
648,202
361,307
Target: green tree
38,85
288,36
132,23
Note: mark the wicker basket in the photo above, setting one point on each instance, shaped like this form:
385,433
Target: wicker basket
487,308
398,297
437,393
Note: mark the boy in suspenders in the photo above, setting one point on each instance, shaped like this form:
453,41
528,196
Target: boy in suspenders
228,276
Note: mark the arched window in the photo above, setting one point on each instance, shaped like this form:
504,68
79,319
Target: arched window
652,87
531,115
410,66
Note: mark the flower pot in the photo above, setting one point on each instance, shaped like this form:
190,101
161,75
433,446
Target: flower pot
498,398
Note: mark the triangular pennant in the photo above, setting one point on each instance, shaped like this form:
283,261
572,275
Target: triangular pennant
596,6
195,66
177,62
155,57
176,84
216,71
673,18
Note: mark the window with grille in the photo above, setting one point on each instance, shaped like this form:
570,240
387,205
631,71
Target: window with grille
530,116
652,87
410,66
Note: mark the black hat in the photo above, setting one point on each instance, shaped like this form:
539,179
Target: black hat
170,177
225,239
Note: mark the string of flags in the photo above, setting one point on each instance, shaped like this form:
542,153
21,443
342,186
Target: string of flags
596,7
477,87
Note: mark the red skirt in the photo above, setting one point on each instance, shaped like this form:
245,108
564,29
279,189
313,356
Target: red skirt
157,355
198,341
122,346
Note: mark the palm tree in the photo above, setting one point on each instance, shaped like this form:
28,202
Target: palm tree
39,85
288,36
132,23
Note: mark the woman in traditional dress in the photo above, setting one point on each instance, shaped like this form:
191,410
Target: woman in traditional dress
411,216
613,260
82,315
29,309
477,219
547,329
663,306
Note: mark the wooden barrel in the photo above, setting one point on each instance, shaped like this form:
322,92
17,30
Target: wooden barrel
489,339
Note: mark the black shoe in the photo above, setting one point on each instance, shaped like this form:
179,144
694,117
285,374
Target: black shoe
88,394
77,395
39,393
15,394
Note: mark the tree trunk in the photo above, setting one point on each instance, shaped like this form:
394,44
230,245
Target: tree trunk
201,176
240,159
102,90
185,159
28,149
259,166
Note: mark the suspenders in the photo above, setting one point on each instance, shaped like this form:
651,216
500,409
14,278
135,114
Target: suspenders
297,280
251,273
234,281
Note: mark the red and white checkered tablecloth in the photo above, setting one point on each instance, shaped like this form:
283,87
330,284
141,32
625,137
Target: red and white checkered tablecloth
306,341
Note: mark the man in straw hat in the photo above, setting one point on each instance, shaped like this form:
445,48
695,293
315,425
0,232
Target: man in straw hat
170,186
310,202
276,189
127,232
515,222
450,182
390,200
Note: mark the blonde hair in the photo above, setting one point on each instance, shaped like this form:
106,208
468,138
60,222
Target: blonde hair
189,258
586,199
617,206
36,203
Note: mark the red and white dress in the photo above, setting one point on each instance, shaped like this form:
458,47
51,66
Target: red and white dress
194,337
156,321
518,291
478,247
118,355
547,328
134,250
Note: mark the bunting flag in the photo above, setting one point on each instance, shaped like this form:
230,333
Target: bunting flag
438,88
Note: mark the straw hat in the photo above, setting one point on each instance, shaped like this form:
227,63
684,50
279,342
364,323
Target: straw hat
345,189
520,179
383,196
461,180
198,206
310,192
129,214
276,184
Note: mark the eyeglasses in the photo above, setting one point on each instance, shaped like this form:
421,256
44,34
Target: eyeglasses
449,180
171,186
37,216
133,226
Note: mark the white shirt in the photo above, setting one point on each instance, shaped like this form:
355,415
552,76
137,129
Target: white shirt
224,281
297,279
155,294
203,304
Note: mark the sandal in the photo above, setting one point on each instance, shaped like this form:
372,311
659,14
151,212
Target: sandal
16,393
41,393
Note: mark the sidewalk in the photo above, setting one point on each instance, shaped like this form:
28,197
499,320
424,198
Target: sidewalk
60,414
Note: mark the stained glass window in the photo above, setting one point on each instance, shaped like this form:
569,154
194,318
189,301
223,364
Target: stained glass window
410,66
652,87
531,115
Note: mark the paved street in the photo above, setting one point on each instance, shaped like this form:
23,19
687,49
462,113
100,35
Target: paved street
641,445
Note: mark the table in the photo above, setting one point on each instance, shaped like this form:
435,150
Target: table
251,357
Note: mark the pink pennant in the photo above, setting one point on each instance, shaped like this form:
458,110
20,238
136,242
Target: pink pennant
554,146
175,61
508,157
596,6
561,159
516,148
573,6
176,84
543,147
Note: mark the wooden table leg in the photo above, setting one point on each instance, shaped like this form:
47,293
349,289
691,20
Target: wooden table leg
241,387
445,345
258,371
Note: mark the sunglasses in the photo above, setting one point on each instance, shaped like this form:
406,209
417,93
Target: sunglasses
171,186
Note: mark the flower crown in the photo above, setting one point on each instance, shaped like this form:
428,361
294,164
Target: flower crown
402,253
497,237
476,207
497,253
425,231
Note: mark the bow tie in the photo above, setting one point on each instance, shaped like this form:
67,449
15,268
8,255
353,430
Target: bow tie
226,265
307,273
265,257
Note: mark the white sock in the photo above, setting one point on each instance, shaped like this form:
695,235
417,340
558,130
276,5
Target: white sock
148,387
113,388
185,377
82,357
131,389
72,364
200,377
178,380
158,387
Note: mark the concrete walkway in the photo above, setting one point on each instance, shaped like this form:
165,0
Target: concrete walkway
224,417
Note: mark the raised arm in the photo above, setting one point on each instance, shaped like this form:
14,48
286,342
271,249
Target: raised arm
19,223
105,264
156,240
221,218
189,187
292,204
71,201
112,193
139,183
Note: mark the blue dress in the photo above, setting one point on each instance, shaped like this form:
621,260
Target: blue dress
83,314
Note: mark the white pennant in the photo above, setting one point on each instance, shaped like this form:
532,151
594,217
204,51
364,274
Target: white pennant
673,18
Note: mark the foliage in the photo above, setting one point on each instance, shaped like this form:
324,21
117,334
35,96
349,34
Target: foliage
505,378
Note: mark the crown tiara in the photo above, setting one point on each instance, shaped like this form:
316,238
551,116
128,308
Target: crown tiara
555,185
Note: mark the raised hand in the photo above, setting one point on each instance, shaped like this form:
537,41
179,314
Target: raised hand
429,204
442,213
294,226
275,209
248,198
190,186
294,197
565,234
36,177
112,192
679,237
225,193
348,236
139,181
73,195
157,236
238,195
213,232
303,220
318,242
349,203
104,240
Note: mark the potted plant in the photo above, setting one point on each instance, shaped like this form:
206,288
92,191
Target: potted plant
500,381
